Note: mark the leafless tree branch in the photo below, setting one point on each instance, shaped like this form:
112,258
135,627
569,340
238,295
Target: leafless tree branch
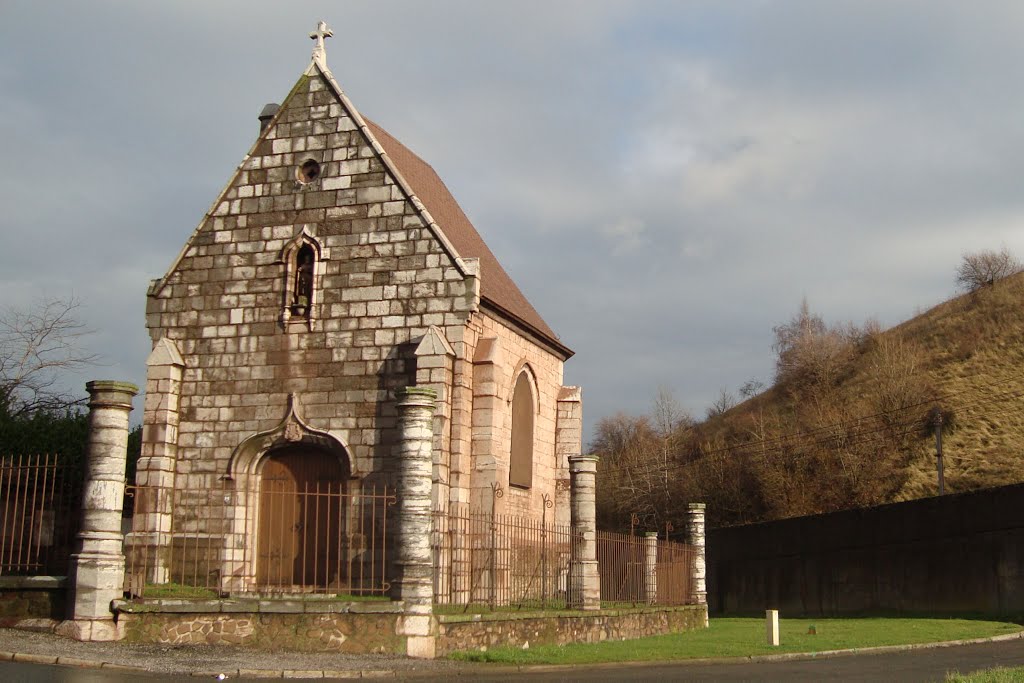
37,346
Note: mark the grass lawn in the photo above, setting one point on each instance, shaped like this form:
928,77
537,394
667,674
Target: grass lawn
996,675
745,637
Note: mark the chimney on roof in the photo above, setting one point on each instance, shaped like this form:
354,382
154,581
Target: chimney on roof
268,113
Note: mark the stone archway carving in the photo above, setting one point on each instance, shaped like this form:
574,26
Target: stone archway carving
244,470
291,430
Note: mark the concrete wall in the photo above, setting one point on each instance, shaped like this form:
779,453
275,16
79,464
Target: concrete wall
954,554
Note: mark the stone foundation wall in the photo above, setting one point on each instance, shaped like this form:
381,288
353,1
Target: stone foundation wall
374,627
270,625
481,632
32,597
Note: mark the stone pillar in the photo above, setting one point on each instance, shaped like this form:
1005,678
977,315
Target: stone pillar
651,567
150,540
488,420
695,532
584,581
568,442
414,584
97,569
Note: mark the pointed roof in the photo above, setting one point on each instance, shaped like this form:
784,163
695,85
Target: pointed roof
428,193
496,287
443,215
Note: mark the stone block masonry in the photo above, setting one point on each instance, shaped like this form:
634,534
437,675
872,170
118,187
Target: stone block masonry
381,280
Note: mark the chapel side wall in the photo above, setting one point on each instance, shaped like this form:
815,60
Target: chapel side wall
515,349
382,281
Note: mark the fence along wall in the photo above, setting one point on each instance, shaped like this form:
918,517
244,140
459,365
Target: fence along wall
269,539
493,560
38,515
951,554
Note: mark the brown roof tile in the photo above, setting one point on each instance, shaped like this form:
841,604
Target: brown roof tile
496,287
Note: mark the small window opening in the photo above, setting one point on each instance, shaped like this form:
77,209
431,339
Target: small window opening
302,296
309,171
520,472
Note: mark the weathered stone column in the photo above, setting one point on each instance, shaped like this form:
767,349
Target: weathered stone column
97,569
651,567
584,580
414,584
695,532
148,545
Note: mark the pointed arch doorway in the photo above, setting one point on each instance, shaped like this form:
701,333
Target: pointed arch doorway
302,519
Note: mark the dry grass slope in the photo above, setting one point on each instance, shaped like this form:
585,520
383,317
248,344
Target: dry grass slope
974,346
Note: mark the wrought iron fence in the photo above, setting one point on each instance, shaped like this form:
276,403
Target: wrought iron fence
639,570
265,539
494,561
39,505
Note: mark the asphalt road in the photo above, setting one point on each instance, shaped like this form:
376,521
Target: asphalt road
912,666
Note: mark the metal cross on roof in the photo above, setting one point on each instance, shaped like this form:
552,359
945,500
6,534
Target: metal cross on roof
321,32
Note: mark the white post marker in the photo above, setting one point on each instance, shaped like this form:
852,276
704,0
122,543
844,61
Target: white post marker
771,623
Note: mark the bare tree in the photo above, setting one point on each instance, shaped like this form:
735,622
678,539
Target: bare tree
722,404
809,352
751,387
985,268
37,346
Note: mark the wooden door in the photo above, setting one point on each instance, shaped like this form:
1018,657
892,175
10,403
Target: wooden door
301,520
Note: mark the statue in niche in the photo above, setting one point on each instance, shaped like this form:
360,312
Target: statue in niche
302,295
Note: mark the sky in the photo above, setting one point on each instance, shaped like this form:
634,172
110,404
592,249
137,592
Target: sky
665,181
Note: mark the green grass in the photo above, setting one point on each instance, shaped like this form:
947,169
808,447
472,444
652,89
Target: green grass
995,675
158,591
745,637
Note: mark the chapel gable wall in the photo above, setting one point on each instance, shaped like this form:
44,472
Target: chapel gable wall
382,280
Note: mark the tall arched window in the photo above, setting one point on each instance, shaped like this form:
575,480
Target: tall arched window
520,470
302,291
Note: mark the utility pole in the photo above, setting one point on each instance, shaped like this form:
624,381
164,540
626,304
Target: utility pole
938,451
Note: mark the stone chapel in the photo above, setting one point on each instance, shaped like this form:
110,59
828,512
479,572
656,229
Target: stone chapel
334,269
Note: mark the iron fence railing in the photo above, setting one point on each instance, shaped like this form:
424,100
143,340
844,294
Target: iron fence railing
496,561
39,505
266,539
635,570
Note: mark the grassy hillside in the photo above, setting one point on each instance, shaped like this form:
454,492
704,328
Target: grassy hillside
974,346
965,355
849,421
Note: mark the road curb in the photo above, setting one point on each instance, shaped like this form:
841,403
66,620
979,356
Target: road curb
52,660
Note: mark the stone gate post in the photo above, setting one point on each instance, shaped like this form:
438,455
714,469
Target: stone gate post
414,584
97,568
651,567
695,532
584,580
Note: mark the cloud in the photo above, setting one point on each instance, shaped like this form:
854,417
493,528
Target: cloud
664,180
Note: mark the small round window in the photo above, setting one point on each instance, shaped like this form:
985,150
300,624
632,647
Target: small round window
309,171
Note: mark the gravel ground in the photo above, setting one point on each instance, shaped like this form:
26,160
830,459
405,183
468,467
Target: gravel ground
186,659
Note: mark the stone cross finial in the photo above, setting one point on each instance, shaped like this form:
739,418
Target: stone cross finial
321,32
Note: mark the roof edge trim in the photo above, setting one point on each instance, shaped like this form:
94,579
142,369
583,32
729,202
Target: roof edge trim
559,349
390,166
